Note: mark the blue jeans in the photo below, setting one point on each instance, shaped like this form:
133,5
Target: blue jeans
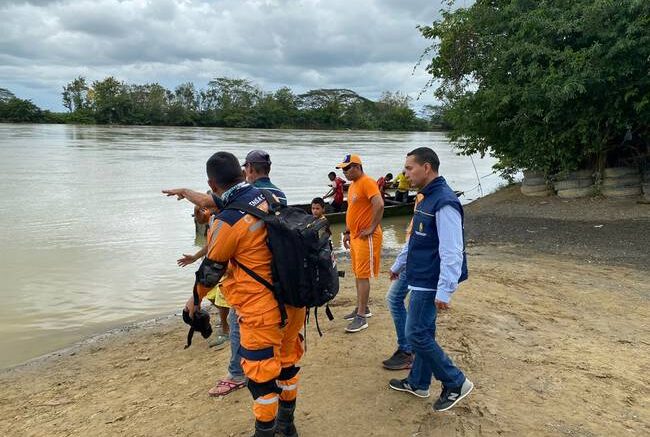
395,300
234,367
429,356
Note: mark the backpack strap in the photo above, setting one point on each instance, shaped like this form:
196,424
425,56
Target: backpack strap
274,203
245,207
274,206
267,284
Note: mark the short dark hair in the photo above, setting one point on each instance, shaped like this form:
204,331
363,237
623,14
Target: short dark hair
389,176
423,155
224,169
331,174
318,201
261,167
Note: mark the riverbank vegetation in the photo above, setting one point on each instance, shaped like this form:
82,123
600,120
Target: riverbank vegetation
553,86
226,102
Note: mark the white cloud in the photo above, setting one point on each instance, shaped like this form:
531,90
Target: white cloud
369,46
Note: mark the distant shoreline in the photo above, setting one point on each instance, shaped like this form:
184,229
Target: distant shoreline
217,127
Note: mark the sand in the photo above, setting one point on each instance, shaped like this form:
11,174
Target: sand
555,344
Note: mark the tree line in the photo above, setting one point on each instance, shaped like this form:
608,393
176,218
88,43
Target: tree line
226,102
553,85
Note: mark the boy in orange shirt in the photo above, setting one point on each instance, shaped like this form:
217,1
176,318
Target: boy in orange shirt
363,235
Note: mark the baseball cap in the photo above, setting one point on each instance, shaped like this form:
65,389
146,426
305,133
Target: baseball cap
349,159
257,156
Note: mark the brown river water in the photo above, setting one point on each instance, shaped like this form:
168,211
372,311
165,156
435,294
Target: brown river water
88,242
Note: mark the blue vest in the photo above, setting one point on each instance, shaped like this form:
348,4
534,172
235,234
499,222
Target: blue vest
423,259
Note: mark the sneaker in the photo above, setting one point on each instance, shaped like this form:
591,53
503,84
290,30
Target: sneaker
450,396
219,341
399,361
357,324
403,385
353,314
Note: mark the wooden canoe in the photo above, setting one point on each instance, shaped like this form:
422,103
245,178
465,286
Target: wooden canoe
392,208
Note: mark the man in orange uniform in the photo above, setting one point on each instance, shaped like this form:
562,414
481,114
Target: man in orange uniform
363,235
237,241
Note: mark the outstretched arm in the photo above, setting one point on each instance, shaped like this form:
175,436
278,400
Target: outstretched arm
200,199
186,260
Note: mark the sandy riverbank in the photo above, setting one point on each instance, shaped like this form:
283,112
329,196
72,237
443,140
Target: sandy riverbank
556,343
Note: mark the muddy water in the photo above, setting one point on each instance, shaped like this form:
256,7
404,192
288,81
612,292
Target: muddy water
87,241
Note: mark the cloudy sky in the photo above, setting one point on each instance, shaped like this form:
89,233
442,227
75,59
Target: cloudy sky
366,45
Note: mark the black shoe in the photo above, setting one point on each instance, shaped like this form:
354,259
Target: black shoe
450,396
403,385
284,426
399,361
264,429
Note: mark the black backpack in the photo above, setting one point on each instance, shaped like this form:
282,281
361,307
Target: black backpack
303,263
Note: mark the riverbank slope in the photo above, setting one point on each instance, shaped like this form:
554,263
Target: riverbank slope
554,337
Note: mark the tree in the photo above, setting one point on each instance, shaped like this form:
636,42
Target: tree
325,108
110,101
230,102
184,105
548,85
434,115
6,95
75,95
394,111
149,104
15,110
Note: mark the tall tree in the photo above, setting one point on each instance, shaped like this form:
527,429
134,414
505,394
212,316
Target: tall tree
75,95
110,101
550,85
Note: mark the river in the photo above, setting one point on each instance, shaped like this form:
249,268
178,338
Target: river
88,242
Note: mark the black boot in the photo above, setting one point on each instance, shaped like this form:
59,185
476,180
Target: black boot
264,429
284,421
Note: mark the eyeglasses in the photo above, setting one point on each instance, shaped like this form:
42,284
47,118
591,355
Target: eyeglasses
349,167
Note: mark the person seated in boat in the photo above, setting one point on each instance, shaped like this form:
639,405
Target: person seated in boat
336,191
403,185
384,182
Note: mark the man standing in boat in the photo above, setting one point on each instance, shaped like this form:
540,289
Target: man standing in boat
435,264
337,191
363,235
403,186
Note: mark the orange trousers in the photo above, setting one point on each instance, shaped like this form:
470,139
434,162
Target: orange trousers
269,355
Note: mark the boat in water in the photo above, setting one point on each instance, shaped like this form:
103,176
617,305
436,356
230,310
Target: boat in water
392,208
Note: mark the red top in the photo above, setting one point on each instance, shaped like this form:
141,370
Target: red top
338,184
381,184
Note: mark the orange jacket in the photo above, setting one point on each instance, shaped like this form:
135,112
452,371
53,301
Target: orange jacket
242,237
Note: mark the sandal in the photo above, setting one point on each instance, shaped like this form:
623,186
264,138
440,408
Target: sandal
225,387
